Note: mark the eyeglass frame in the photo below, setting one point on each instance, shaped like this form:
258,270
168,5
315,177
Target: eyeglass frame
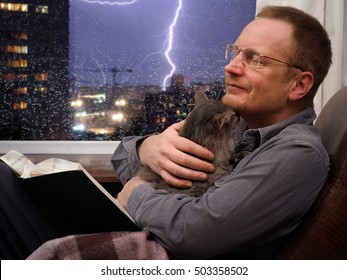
231,47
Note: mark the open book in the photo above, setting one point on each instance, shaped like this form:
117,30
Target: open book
70,194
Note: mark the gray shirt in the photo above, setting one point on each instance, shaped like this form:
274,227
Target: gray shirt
251,206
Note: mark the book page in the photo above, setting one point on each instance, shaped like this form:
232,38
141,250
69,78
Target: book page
17,162
49,166
25,168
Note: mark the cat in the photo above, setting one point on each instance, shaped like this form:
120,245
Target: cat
212,125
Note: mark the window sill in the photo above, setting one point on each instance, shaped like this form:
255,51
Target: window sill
95,156
59,147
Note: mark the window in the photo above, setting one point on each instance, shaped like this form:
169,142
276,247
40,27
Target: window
21,35
16,63
14,49
41,9
14,77
108,69
20,90
41,77
19,106
40,89
13,7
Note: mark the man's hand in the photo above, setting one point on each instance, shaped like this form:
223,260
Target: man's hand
176,159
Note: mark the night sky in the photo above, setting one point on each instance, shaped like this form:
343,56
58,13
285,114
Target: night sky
135,36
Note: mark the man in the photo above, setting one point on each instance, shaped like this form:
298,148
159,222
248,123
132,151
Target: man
276,66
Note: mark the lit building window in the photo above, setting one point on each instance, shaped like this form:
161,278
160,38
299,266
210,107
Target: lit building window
40,89
41,77
14,7
22,105
21,90
41,9
14,49
23,49
17,63
14,77
21,35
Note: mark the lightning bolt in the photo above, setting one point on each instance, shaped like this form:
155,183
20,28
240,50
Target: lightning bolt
170,35
110,3
167,52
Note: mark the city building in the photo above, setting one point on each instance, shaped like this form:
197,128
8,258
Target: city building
34,70
96,117
164,108
167,107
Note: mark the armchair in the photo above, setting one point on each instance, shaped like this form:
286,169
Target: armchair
323,233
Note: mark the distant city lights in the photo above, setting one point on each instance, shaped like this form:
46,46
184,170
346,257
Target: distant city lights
77,103
121,102
82,114
78,127
118,117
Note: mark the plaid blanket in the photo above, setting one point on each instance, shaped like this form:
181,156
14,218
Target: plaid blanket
102,246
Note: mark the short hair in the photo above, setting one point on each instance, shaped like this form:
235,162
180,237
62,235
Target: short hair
311,46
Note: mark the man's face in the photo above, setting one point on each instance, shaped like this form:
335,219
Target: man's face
260,94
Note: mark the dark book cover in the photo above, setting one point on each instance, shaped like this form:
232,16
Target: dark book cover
73,198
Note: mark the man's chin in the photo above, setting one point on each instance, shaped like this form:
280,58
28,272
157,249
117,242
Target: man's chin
229,99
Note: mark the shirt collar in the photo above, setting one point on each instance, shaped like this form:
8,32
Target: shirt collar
250,139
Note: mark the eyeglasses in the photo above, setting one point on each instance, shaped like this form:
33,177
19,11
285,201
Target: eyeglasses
251,57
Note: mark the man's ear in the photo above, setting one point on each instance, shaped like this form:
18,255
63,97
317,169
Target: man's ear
301,85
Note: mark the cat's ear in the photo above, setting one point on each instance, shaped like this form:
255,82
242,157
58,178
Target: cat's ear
200,97
221,119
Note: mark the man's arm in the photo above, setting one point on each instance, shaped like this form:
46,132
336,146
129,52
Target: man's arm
260,201
124,160
176,159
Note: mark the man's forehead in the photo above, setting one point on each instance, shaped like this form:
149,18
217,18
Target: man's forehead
264,33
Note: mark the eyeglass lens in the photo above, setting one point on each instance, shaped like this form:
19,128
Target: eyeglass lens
249,56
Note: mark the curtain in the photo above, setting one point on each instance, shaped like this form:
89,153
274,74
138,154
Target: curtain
333,16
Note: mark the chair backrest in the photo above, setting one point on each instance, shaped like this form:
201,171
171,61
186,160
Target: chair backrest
323,233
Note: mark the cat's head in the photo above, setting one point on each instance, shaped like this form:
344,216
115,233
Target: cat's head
209,121
220,114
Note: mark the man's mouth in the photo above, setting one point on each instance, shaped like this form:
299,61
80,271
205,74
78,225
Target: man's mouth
235,87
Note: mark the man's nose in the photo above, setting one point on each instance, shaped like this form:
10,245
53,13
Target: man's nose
235,65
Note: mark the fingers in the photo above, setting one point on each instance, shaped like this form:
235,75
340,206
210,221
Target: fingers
175,181
193,155
188,146
178,168
181,161
176,159
178,126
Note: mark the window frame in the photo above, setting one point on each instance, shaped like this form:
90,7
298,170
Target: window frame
59,147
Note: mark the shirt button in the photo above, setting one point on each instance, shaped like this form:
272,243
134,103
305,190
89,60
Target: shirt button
219,183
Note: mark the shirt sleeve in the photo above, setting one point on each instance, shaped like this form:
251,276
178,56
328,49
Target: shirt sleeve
263,199
125,160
